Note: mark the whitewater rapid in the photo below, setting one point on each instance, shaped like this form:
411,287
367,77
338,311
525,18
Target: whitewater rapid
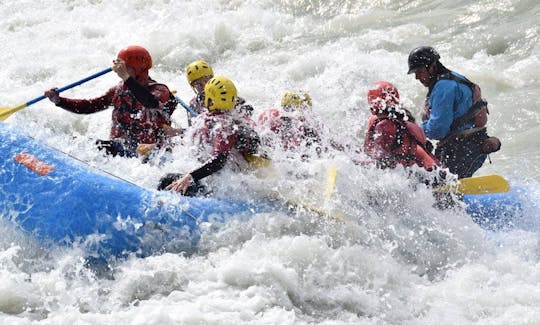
390,257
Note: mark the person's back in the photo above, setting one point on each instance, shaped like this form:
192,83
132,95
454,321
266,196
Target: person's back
223,132
448,100
142,121
455,114
391,137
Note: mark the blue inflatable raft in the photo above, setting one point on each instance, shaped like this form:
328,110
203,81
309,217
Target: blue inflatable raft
498,211
59,200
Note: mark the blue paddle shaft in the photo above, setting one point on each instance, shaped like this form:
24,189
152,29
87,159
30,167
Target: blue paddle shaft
75,84
186,106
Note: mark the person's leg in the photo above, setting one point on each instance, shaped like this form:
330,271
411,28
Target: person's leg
115,148
473,156
463,156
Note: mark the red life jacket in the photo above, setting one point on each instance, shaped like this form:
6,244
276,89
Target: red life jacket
400,142
224,132
133,122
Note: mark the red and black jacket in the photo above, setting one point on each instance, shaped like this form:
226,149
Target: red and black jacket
139,110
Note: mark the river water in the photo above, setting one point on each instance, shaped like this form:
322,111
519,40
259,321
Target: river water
399,261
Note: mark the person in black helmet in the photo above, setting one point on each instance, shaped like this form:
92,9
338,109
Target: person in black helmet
454,114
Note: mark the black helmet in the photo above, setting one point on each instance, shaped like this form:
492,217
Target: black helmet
422,56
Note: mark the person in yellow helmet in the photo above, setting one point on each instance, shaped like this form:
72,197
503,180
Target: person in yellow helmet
198,73
292,101
294,129
222,136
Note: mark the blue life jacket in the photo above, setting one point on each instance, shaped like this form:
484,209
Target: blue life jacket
449,98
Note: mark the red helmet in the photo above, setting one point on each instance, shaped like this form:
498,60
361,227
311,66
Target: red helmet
138,58
385,95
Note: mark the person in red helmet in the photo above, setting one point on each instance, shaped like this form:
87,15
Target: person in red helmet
142,107
392,137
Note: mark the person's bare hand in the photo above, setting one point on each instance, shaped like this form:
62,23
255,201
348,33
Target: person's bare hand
170,131
144,149
181,185
119,66
52,95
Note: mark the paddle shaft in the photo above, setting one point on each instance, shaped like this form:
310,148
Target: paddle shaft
6,112
186,106
75,84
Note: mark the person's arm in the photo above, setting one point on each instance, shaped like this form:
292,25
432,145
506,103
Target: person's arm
155,98
81,106
223,143
213,165
142,93
442,110
221,148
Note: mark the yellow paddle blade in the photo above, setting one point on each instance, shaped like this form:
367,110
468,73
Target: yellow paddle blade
257,161
315,205
331,175
6,112
478,185
314,201
483,185
302,204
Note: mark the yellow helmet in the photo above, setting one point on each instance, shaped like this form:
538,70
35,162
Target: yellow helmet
198,69
222,92
295,100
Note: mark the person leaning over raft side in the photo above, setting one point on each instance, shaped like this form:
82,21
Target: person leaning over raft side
454,113
222,133
290,123
198,73
392,137
142,108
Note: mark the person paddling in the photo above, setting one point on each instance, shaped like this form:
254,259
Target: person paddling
454,114
142,107
222,135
